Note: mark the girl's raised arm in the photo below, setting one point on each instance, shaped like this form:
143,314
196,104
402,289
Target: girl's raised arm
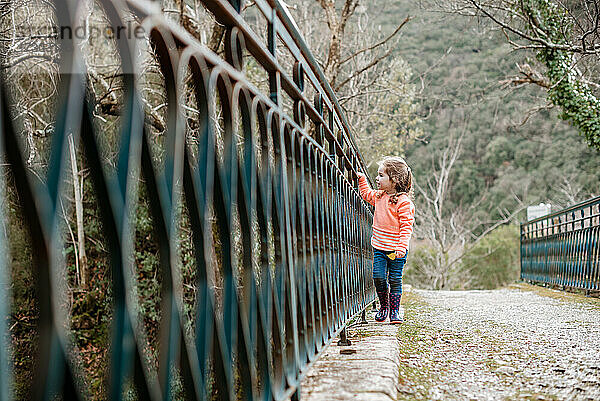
365,190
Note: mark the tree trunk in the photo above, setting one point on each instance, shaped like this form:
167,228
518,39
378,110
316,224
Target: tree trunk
83,270
336,25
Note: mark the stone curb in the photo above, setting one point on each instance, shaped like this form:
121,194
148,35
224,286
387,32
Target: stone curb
367,370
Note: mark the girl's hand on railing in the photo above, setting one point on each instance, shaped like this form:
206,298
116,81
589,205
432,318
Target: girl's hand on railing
359,174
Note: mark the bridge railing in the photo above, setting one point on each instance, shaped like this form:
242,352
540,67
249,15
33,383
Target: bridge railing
563,248
285,182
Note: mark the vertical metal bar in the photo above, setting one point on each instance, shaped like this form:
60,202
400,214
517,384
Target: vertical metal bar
588,260
274,76
521,251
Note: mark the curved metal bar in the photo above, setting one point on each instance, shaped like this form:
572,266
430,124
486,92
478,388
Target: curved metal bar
276,203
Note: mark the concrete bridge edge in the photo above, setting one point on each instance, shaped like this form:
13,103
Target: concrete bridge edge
368,369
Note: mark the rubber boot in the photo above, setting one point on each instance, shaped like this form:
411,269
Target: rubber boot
395,317
382,293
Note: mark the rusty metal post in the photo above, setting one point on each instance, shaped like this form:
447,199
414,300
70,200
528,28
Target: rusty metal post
344,342
363,317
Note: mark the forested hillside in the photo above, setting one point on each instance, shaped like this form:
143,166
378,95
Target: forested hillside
511,144
511,149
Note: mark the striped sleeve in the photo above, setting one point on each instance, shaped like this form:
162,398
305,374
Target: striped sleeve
406,217
366,192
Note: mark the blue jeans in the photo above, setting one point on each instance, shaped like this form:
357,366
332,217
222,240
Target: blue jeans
386,270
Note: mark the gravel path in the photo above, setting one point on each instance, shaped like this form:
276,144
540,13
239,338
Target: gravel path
518,343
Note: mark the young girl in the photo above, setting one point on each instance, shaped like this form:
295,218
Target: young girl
392,228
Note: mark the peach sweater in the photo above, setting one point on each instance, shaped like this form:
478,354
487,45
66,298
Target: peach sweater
392,223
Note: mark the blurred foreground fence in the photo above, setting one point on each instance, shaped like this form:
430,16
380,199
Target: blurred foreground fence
270,200
563,248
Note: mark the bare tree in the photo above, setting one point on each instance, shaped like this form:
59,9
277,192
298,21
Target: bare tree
437,223
80,256
579,34
361,62
450,229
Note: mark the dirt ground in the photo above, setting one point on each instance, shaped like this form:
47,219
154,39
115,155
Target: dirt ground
519,343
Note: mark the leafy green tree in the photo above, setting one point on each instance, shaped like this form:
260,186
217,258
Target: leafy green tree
493,261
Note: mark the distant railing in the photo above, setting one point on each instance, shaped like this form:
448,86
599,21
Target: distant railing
288,179
563,248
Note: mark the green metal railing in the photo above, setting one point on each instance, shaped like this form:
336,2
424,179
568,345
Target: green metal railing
563,248
276,317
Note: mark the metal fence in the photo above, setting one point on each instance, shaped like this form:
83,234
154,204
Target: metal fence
563,248
291,179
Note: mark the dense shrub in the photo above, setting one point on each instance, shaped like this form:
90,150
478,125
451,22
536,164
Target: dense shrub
493,261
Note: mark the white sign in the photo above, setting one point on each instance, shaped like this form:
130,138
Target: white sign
543,209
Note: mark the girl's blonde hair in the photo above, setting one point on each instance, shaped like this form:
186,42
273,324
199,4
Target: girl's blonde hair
399,172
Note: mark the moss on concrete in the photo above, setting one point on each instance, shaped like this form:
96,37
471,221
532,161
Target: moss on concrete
566,296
